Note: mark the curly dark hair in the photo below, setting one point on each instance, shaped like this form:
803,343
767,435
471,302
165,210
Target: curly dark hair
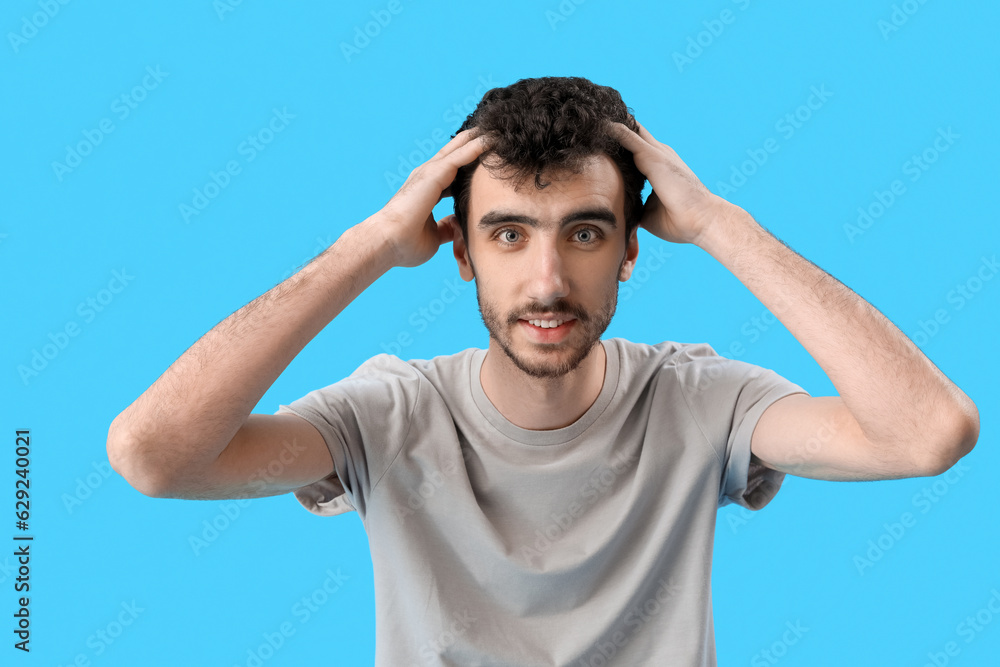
549,123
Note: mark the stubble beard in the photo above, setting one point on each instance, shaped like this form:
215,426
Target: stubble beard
591,327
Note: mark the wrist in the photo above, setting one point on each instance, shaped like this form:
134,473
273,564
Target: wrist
379,246
727,229
361,250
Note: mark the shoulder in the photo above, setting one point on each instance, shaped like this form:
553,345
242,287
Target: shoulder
664,355
389,367
442,364
695,367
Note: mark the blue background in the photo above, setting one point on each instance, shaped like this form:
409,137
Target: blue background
99,544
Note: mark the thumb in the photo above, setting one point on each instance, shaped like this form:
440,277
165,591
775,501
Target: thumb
650,210
447,228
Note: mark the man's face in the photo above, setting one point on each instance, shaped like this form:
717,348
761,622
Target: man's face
552,254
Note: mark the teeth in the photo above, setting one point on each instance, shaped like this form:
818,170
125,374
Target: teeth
546,324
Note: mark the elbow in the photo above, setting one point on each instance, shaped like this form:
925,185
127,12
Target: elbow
959,439
128,458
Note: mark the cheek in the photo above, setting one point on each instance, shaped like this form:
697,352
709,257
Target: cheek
493,289
596,272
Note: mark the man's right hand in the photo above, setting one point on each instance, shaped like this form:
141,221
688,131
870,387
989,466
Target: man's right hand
192,435
407,220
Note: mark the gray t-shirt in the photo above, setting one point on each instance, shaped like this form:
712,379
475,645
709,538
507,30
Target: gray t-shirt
585,545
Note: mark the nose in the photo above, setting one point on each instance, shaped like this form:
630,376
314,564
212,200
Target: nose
548,280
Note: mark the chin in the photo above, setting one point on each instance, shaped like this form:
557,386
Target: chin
547,362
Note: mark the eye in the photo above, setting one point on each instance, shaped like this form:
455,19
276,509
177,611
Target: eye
590,235
504,236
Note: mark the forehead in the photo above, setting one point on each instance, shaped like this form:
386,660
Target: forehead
599,183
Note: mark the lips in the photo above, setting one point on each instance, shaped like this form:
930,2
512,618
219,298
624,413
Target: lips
546,324
548,334
548,316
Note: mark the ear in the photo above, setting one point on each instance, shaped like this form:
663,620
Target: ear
631,253
461,251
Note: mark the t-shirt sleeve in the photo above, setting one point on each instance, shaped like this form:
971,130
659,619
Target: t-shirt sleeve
727,398
364,420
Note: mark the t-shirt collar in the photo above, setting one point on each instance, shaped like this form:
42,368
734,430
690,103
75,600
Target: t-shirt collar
554,436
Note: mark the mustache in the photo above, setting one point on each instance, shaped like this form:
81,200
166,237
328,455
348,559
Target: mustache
560,307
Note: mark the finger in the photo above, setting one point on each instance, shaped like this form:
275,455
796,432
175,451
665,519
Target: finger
652,209
465,153
651,203
447,228
460,139
649,138
444,168
645,134
627,138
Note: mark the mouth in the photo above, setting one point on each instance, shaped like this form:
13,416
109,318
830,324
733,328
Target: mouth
547,331
552,323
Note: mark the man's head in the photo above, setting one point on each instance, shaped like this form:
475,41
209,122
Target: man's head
548,216
549,124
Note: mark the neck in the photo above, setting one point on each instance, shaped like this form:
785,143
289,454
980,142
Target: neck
542,404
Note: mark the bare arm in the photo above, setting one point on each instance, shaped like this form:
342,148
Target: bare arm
185,420
897,414
191,434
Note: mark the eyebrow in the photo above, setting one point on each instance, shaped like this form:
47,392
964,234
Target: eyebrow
502,217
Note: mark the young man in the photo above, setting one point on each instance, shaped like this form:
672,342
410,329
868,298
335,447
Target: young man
550,499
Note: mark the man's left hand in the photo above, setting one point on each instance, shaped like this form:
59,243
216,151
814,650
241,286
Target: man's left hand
680,208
